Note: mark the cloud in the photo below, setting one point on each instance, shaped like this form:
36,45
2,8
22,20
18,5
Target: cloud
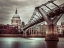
7,9
25,9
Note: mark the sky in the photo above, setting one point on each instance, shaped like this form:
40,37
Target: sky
25,9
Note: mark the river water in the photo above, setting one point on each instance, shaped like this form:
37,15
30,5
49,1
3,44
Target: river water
30,43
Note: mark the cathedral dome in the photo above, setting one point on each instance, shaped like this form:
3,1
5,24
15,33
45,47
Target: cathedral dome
16,15
16,21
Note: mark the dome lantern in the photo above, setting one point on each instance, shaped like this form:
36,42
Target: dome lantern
16,15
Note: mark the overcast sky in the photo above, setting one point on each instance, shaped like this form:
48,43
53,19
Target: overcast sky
25,9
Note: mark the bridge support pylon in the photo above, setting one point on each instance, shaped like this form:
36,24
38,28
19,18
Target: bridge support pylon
51,34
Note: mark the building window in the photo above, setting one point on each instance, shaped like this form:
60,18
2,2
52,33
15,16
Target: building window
16,21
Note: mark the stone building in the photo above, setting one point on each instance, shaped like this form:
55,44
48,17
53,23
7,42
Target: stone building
16,21
60,28
37,30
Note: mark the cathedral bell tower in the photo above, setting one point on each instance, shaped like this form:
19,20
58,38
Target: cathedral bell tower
15,21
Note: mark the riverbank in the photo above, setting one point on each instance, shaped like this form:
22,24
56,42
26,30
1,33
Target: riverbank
24,36
20,35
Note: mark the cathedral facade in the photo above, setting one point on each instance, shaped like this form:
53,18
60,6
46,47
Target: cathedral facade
16,21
